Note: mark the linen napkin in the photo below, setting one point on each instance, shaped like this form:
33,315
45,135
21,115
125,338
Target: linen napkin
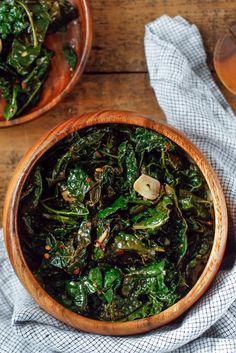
192,102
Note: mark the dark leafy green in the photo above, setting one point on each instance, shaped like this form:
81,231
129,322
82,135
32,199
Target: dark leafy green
70,56
159,217
98,246
134,243
13,19
78,183
119,204
24,59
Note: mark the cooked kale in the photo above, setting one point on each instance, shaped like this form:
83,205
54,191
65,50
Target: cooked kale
24,58
70,56
99,247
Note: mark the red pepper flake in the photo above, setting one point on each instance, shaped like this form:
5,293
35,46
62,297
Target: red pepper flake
120,252
167,146
17,81
88,180
97,154
23,85
76,271
62,246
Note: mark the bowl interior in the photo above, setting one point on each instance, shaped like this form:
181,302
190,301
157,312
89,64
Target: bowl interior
11,231
60,80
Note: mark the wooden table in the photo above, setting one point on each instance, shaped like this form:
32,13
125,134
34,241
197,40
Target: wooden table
116,75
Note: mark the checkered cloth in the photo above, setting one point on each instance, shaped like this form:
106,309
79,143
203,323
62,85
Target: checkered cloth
192,102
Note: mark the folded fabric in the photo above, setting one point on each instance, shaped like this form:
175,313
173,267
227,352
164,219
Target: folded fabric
192,102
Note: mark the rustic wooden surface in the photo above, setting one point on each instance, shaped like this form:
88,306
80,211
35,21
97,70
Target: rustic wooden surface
116,73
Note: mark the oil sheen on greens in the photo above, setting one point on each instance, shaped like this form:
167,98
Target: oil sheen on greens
24,58
95,244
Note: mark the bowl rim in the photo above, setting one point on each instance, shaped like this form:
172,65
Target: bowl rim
15,254
86,17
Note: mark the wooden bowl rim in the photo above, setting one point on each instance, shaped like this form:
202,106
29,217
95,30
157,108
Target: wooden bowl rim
32,285
87,45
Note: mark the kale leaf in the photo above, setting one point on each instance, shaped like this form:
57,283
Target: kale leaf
70,56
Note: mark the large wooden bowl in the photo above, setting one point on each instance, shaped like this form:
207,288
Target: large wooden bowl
10,223
60,81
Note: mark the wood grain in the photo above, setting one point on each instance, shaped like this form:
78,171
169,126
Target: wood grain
119,28
12,234
95,92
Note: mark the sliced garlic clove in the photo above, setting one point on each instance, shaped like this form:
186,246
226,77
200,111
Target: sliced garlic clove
67,196
147,187
101,239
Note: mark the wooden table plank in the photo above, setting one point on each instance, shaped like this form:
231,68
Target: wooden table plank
95,92
119,28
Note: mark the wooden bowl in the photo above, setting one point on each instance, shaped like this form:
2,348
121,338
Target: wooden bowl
10,223
60,81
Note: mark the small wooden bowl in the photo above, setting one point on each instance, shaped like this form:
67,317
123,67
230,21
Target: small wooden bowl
10,223
60,81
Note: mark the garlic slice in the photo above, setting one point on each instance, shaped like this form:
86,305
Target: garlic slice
67,196
100,240
147,187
